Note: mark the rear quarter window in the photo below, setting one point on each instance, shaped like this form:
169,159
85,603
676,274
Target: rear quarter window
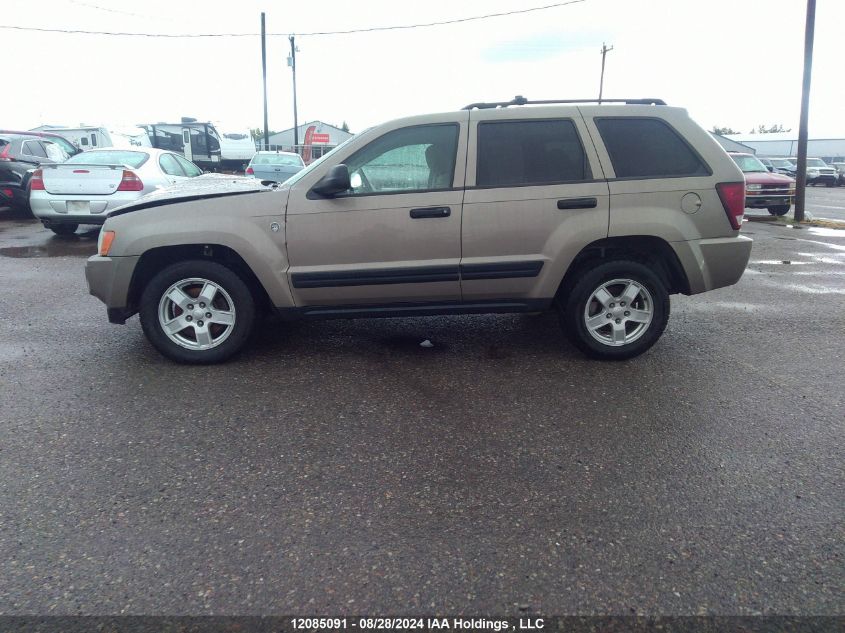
648,148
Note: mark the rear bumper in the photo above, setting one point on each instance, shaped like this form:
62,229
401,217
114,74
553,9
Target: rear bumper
713,263
54,208
109,279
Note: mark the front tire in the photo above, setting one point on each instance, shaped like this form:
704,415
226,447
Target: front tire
782,209
616,310
197,312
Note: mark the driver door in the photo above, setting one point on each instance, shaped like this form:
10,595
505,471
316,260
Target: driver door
395,237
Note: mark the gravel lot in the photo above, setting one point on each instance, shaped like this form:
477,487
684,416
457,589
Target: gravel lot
339,467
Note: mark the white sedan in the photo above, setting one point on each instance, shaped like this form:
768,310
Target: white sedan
83,189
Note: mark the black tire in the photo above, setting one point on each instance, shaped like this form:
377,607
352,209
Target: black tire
238,293
64,229
782,209
574,305
830,183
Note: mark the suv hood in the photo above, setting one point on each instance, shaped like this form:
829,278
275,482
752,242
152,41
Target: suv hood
766,178
199,188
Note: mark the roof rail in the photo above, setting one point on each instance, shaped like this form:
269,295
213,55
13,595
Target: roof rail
520,100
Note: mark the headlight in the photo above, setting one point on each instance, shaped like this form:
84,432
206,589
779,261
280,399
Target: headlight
104,242
753,187
814,172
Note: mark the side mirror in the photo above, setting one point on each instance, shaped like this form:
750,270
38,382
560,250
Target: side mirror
770,168
334,182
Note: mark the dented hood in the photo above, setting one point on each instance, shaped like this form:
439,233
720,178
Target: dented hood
199,188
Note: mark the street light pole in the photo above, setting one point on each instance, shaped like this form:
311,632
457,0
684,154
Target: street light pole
801,184
604,51
292,64
264,80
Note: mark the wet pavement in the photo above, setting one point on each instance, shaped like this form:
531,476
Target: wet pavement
340,467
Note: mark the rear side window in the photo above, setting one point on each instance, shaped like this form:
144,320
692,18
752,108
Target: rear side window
648,148
188,167
169,165
33,148
532,152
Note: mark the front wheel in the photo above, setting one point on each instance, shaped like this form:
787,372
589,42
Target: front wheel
616,310
197,312
781,209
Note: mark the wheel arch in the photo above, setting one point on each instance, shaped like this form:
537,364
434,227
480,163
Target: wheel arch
156,259
652,251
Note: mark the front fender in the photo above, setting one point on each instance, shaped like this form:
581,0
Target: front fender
243,223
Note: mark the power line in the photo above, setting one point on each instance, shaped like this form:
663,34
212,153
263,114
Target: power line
314,34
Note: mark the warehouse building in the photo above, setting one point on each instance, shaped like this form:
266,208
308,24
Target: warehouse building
785,144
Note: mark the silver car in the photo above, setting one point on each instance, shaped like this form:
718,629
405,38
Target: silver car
87,186
275,166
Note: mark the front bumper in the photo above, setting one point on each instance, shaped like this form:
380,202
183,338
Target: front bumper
713,263
765,200
109,279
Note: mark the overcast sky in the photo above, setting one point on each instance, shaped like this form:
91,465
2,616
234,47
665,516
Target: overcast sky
734,63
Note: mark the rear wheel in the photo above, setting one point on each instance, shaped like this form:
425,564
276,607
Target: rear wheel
781,209
63,229
197,312
616,311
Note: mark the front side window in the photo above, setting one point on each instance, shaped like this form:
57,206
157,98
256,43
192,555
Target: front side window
55,152
536,152
420,158
648,148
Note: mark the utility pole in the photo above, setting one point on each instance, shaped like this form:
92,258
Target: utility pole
264,80
801,185
292,64
604,51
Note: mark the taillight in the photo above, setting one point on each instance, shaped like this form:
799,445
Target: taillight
36,183
732,195
4,155
130,182
250,171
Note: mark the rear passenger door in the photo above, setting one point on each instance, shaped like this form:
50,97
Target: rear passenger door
535,196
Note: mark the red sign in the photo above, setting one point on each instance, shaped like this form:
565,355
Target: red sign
320,138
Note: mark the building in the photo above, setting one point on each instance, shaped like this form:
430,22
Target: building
786,144
315,137
732,146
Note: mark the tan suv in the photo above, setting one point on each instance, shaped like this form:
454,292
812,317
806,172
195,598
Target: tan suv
597,211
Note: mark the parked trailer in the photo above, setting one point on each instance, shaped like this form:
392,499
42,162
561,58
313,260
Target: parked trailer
198,142
87,137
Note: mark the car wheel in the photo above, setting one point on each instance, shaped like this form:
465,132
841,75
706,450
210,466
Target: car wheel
616,310
782,209
197,312
830,183
63,229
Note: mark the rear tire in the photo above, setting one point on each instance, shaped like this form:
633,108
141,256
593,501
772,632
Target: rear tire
782,209
64,229
632,294
197,312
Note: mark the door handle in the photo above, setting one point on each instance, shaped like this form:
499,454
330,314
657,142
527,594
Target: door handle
431,212
578,203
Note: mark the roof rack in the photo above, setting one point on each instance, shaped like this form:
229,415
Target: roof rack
520,100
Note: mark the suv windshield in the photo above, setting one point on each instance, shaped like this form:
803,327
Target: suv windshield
781,162
749,164
132,159
816,162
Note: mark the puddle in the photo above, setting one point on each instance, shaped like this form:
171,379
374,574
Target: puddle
52,248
